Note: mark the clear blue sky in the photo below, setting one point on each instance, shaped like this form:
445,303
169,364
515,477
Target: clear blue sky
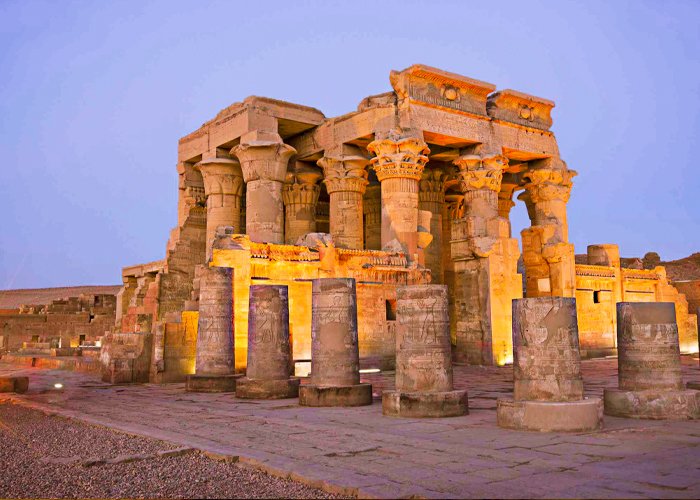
94,96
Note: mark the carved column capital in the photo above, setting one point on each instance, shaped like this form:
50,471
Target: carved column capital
481,172
399,157
264,159
221,176
455,206
344,173
302,190
548,184
432,186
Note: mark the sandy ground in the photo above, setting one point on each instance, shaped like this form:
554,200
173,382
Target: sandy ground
44,456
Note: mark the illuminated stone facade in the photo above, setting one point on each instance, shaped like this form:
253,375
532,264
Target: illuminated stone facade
414,187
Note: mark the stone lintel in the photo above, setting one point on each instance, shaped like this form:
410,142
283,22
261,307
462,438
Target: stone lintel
517,107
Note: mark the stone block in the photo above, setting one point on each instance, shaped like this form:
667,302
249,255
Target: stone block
341,395
653,404
267,389
211,383
425,404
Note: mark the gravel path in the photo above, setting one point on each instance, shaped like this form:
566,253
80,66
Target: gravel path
43,456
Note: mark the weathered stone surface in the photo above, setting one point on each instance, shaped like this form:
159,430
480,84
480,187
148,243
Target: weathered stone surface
269,350
214,356
649,366
335,365
211,383
546,361
547,416
14,384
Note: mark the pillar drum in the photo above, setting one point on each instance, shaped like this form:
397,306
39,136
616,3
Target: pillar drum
335,358
372,205
269,348
548,392
423,357
649,365
400,211
346,224
265,211
214,359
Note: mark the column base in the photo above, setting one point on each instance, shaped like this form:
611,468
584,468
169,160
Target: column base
425,404
20,385
683,404
693,385
556,416
267,389
343,395
211,383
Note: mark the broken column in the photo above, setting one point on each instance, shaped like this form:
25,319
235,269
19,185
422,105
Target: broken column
346,181
423,359
335,357
649,365
264,158
548,388
214,361
399,163
269,350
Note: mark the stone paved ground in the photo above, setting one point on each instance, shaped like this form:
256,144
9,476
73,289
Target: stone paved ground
358,451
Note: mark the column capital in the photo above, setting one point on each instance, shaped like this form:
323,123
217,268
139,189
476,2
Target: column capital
478,172
399,157
302,190
455,206
432,185
221,176
264,159
547,184
344,173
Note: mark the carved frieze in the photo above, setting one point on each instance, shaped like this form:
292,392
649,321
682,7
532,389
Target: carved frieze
523,109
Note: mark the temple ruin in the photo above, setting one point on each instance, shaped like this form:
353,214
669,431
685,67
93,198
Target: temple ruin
414,187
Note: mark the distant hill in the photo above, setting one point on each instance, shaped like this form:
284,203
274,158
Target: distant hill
687,268
12,299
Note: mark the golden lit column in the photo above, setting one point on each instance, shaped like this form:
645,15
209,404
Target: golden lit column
431,198
300,197
550,267
453,209
399,164
264,165
505,201
372,204
223,187
346,181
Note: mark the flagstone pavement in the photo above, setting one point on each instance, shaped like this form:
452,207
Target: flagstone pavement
357,451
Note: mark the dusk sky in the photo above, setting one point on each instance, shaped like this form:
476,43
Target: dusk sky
94,96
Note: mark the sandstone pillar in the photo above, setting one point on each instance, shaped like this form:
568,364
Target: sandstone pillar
264,165
550,267
485,265
453,209
223,187
346,181
269,350
399,164
214,362
423,357
548,388
431,198
335,358
300,197
649,365
372,204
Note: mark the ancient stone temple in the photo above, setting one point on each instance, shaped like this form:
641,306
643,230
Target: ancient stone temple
413,187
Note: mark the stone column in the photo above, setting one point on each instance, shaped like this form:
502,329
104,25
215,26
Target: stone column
399,164
423,357
372,204
431,198
223,187
264,165
649,365
550,266
300,197
505,202
214,362
453,209
269,350
346,181
335,358
548,391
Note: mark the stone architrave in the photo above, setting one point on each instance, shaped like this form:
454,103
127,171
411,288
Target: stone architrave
399,163
269,350
264,162
214,361
346,181
223,187
335,356
423,359
300,197
649,366
548,392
